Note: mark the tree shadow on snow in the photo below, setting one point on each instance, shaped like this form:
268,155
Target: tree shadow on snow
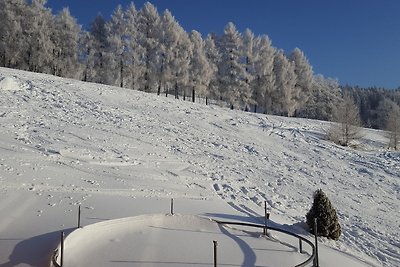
35,251
249,255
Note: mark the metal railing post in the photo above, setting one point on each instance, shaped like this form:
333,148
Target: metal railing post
62,250
265,218
300,246
79,216
215,253
316,260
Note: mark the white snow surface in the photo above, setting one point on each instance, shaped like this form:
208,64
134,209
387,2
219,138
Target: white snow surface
122,153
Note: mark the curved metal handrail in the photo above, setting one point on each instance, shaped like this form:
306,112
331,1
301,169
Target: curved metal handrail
54,258
303,264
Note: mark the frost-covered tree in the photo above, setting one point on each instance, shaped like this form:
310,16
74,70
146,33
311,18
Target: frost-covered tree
86,54
304,75
116,29
248,51
264,82
134,50
383,110
4,29
13,42
213,57
325,97
176,55
169,40
346,127
182,61
327,219
66,45
96,44
200,71
393,128
249,55
231,71
149,30
37,30
283,99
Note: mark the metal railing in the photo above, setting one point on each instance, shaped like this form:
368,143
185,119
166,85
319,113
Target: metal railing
301,238
54,259
59,252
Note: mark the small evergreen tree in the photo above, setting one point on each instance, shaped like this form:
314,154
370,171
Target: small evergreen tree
327,220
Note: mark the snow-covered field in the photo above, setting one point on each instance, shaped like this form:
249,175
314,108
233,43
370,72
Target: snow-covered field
121,153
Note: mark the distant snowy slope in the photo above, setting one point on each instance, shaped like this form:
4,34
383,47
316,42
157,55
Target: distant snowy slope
65,136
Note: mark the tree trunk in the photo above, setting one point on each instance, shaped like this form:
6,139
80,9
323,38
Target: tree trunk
146,86
133,73
193,95
29,61
176,90
206,100
4,58
255,108
159,89
166,91
122,72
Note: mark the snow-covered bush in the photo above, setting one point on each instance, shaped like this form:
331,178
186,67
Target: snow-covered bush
327,220
347,122
9,84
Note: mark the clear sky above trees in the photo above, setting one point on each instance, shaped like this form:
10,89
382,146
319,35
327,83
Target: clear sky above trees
355,41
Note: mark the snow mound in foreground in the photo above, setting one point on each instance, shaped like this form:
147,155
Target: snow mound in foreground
165,240
9,84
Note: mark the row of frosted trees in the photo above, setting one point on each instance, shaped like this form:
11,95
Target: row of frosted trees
143,50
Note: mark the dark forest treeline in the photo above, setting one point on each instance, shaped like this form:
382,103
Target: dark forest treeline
375,104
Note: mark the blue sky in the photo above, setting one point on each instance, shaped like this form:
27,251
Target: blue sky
355,41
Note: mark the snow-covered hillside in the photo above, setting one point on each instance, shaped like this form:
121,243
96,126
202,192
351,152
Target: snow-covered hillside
121,153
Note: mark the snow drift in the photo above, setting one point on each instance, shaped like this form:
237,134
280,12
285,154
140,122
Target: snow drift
9,84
